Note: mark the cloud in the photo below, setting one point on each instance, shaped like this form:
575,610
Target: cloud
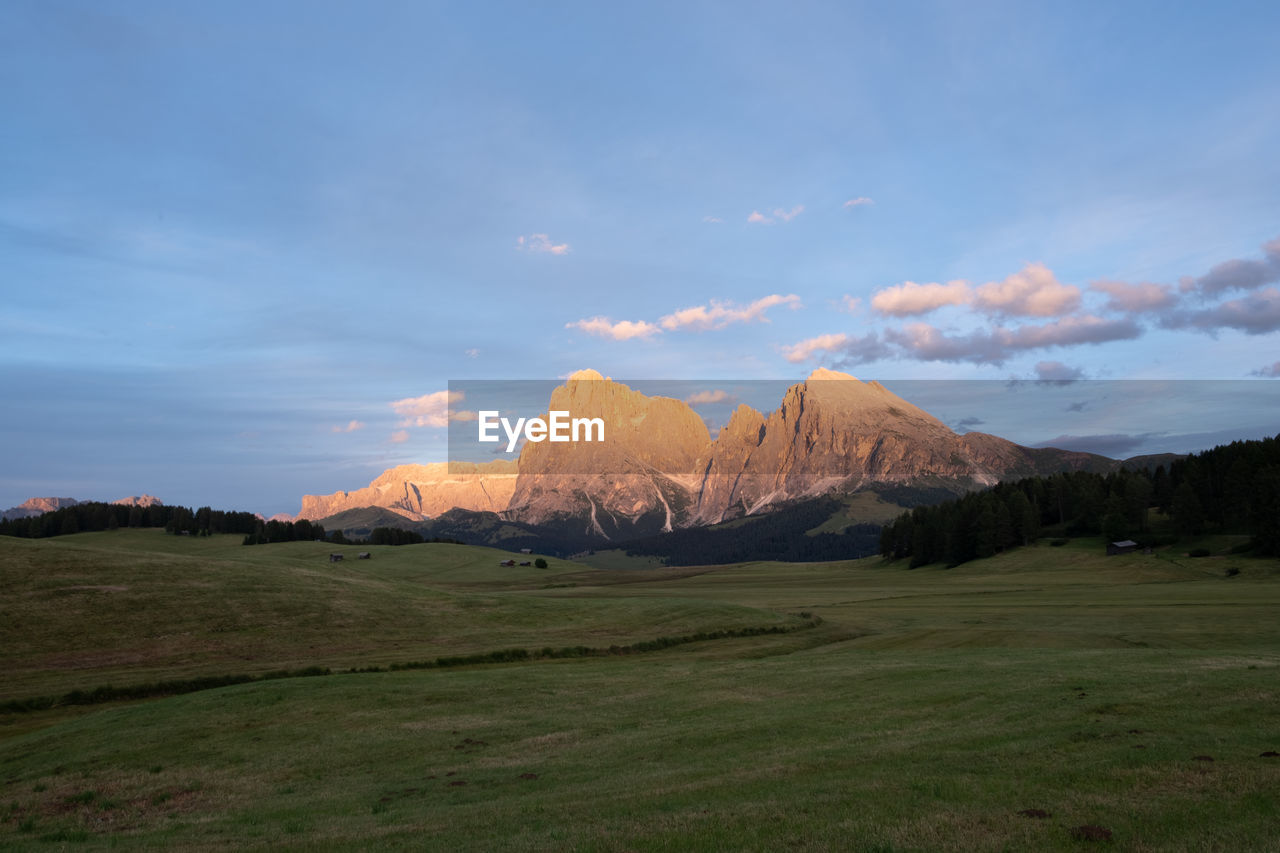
1031,292
857,202
908,298
1128,298
1271,371
1255,314
400,436
806,349
541,243
701,398
851,304
928,343
1078,406
351,426
1115,445
712,220
1057,373
965,424
718,314
472,353
429,410
1237,274
623,330
464,416
758,218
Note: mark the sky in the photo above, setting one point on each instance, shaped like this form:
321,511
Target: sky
244,247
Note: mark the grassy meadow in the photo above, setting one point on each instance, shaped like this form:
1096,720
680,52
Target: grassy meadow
926,710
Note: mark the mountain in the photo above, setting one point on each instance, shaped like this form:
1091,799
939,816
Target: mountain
139,500
640,479
38,506
659,469
417,492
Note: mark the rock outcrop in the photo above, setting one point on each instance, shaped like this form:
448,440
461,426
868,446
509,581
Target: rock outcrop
638,480
38,506
140,500
419,492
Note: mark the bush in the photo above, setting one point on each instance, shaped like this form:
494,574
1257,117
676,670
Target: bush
539,563
1242,548
1198,552
1058,543
1233,571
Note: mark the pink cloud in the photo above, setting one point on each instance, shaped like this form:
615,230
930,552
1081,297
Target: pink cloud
429,410
400,436
541,243
351,426
703,398
623,330
1135,298
806,349
909,298
758,218
1031,292
857,202
928,343
718,314
788,215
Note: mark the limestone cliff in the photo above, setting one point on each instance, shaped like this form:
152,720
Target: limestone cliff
419,492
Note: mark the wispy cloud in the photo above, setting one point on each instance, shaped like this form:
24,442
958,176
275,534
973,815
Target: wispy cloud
712,220
860,201
429,410
400,436
1255,314
706,398
758,218
472,353
850,304
541,243
909,298
995,346
350,426
623,330
717,314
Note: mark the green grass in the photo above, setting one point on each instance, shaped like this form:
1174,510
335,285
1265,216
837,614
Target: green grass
928,708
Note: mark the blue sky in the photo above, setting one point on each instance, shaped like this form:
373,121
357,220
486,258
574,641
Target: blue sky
234,236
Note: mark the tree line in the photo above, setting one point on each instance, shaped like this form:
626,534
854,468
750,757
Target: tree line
1233,488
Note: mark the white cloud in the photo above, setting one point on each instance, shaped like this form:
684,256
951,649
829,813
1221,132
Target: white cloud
909,298
788,215
702,398
851,304
718,314
1031,292
758,218
472,353
712,220
1271,371
351,426
429,410
603,327
541,243
857,202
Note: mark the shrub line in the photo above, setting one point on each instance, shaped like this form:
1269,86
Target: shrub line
175,687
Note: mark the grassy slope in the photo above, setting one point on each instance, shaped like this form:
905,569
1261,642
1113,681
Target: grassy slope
929,709
128,607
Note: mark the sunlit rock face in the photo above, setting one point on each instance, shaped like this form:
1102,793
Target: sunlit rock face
419,492
639,480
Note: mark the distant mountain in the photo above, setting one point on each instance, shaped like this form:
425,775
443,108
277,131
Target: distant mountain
139,500
418,492
37,506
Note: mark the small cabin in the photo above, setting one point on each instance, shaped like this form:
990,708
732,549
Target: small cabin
335,558
526,550
525,563
507,563
363,555
1124,546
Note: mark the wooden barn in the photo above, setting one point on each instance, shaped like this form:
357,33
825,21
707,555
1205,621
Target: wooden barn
1124,546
